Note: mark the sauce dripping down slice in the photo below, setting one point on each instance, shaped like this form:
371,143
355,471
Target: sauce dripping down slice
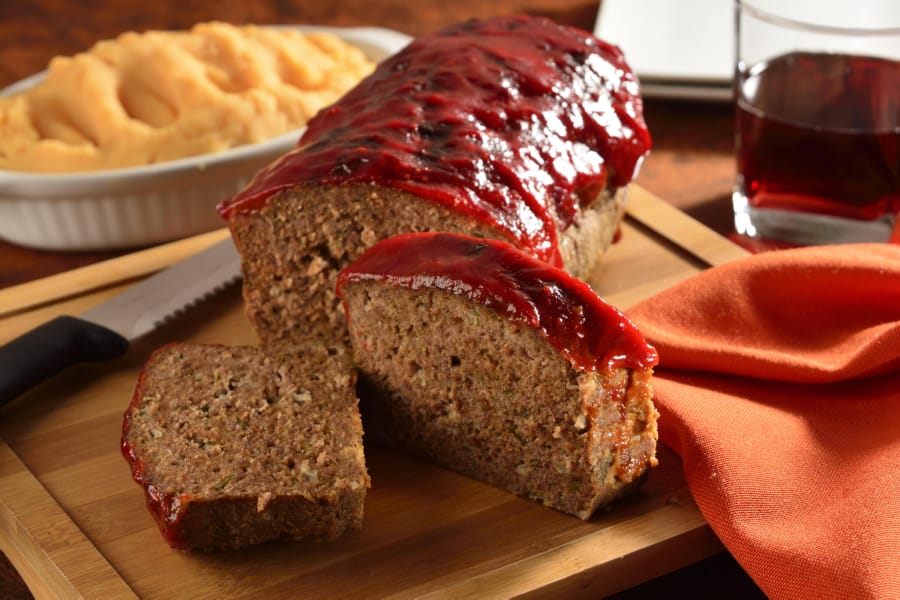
590,333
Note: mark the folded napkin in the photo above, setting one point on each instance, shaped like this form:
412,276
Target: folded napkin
779,386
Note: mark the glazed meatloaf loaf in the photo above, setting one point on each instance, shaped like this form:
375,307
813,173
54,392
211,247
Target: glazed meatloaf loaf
511,128
239,445
501,367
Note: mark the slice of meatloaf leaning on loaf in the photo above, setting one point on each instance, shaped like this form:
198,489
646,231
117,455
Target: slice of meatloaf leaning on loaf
501,367
510,128
239,445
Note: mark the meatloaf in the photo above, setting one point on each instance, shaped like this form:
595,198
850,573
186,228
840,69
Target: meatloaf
501,367
512,128
239,445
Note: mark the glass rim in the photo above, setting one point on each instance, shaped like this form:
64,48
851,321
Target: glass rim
749,7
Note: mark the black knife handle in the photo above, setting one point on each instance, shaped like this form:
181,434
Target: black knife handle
48,349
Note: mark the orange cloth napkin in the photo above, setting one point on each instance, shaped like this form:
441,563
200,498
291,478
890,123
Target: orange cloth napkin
779,386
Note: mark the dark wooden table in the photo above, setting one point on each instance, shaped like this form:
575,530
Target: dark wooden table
691,165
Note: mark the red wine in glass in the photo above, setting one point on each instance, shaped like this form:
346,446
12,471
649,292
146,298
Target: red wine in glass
818,134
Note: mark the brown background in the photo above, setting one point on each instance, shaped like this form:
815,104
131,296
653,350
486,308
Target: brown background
691,165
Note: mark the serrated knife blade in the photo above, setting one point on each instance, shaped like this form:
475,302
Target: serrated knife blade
105,331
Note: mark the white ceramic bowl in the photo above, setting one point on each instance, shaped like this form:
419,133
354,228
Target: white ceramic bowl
144,205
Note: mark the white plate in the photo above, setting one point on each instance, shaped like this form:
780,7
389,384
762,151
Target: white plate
678,48
138,206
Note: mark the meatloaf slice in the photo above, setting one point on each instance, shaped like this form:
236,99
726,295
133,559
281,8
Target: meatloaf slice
493,364
239,445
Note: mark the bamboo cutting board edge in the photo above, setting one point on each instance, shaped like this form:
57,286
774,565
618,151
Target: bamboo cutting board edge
58,287
53,555
74,574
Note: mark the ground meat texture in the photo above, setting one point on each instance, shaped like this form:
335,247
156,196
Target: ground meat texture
459,384
239,445
293,247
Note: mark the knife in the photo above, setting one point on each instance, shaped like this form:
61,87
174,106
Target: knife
105,331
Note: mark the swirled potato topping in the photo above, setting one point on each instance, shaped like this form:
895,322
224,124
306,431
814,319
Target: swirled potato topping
145,98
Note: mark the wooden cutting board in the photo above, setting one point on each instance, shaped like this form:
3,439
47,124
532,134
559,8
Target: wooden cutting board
75,525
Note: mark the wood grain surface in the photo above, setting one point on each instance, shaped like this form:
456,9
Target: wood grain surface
75,523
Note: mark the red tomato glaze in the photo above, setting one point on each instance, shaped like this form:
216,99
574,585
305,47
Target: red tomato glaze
508,120
590,333
166,508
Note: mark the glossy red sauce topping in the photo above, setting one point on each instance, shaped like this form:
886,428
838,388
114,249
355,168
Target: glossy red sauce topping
165,507
590,333
508,120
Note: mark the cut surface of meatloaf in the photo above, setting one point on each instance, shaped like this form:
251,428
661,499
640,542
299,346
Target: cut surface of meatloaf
293,249
493,364
235,446
512,128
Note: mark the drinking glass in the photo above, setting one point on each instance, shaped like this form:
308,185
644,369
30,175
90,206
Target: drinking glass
817,88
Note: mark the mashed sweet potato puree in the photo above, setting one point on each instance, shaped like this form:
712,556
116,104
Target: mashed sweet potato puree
162,95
